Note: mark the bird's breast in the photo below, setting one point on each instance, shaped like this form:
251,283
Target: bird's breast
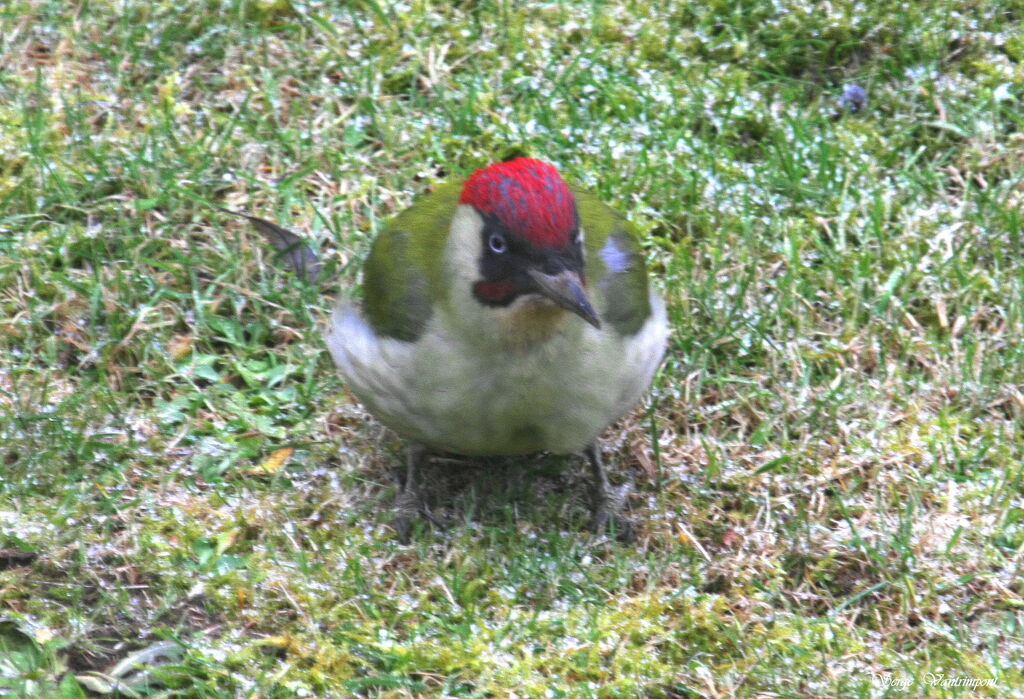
541,380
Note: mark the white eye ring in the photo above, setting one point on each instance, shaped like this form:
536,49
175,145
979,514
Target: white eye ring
497,243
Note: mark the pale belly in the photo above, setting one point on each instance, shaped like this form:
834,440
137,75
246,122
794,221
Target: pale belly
555,393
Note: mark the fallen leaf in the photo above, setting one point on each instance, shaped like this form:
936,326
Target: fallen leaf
178,346
273,463
644,459
731,538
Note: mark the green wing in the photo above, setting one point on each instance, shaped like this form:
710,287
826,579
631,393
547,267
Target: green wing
402,275
615,261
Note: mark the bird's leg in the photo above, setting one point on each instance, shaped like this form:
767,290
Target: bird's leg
409,503
608,499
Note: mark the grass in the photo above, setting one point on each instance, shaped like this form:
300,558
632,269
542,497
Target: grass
829,468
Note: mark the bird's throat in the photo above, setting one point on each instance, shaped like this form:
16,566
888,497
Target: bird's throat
531,321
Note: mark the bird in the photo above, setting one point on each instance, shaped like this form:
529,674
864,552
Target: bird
503,315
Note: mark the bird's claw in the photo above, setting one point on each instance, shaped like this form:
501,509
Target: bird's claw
608,504
408,507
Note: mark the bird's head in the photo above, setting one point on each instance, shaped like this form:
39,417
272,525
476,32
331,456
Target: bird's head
530,240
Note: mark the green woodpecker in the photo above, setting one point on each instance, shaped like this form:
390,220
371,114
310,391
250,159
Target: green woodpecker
504,315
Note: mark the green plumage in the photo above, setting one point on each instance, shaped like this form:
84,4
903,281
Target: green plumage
624,287
403,277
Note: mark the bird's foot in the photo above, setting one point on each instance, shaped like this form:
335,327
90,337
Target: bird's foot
409,506
609,500
608,505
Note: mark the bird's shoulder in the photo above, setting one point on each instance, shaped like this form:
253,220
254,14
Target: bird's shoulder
403,268
615,262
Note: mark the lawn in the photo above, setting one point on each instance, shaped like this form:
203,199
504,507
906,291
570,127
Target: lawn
829,469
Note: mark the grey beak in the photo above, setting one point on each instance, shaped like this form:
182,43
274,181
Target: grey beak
566,290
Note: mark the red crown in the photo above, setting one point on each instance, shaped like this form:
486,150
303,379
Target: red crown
528,196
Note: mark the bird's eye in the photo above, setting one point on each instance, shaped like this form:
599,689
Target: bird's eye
497,243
